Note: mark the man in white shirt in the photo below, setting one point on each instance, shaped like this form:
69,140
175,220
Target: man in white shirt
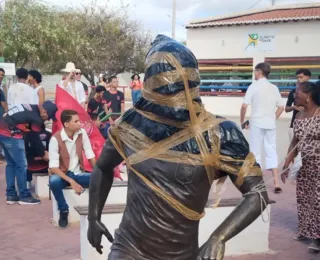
66,161
85,86
20,92
266,107
71,85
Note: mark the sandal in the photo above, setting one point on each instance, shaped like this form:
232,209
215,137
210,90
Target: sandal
299,237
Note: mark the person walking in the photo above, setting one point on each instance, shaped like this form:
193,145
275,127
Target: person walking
266,107
306,138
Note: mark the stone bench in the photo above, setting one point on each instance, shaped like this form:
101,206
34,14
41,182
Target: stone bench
118,194
253,240
41,185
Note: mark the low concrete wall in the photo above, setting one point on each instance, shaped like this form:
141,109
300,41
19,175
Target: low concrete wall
230,106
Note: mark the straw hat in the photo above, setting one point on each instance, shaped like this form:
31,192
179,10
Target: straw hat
70,67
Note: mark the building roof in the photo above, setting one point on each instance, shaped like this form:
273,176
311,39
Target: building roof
272,15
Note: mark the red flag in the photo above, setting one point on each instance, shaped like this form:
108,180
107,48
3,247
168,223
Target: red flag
65,101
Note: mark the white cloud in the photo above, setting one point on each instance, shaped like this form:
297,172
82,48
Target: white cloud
155,15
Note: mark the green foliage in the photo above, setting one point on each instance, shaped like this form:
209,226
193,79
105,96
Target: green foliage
95,38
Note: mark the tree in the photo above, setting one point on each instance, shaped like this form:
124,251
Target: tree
113,44
30,33
96,38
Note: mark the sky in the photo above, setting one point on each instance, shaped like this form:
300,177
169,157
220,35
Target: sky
155,15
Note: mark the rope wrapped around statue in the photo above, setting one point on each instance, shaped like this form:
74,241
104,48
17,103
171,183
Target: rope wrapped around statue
174,150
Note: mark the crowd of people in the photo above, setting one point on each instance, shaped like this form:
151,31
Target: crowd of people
28,147
303,159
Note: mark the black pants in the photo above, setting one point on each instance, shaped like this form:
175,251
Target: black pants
29,173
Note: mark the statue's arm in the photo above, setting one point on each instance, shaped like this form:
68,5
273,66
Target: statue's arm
102,179
245,213
234,146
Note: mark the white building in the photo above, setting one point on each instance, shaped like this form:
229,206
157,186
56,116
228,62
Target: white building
278,32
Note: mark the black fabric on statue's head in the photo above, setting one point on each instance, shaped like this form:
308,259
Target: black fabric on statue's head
155,130
232,141
184,56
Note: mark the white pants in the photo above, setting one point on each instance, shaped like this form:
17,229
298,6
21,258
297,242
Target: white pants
269,139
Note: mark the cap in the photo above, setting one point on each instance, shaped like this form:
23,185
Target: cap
100,89
51,109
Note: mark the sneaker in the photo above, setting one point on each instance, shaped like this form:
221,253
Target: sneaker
29,201
299,237
314,246
11,200
63,220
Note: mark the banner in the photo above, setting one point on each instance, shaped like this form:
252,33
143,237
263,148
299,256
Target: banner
65,101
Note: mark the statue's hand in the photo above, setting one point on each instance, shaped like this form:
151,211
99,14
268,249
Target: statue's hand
213,249
95,231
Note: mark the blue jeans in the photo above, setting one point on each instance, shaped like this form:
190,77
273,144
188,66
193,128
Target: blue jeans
57,184
136,94
15,155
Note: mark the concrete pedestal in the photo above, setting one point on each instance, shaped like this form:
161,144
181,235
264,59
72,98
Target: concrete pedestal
253,240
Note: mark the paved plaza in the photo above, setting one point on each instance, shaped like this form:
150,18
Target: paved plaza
26,232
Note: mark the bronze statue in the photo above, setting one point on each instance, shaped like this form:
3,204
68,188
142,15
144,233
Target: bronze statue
174,150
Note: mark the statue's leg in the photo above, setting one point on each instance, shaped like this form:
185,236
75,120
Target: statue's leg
119,255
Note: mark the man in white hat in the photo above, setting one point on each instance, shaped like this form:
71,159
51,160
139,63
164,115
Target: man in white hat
71,85
85,86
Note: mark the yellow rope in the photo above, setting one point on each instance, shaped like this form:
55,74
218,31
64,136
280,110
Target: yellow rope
200,122
185,211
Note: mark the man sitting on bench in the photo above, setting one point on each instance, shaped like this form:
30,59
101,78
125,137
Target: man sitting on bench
66,161
37,153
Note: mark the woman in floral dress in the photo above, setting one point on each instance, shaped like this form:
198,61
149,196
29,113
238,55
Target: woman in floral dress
307,141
